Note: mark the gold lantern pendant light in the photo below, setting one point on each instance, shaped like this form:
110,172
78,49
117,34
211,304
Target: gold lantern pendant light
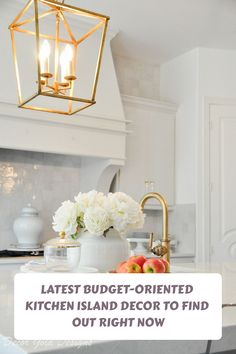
64,81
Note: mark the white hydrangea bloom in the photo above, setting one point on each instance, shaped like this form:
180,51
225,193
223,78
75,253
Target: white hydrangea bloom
95,212
97,220
125,212
65,218
90,199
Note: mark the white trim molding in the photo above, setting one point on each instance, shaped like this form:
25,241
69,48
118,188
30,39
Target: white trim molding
162,106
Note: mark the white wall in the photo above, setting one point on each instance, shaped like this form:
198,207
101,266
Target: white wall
217,73
179,84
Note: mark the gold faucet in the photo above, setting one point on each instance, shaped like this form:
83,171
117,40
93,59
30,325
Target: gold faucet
162,250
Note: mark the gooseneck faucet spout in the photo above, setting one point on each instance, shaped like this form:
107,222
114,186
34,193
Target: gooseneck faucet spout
164,249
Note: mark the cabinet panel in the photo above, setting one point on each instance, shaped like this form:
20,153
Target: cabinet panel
222,182
150,151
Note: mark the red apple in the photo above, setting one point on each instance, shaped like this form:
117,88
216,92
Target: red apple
121,267
154,265
133,267
166,264
140,260
129,267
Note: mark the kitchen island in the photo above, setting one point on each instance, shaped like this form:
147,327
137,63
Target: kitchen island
8,345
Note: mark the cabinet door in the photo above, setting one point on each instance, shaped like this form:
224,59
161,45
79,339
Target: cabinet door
223,187
150,153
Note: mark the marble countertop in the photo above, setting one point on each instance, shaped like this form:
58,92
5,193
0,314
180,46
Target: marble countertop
7,272
228,272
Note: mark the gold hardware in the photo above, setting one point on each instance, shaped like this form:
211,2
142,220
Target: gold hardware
48,82
150,243
64,84
70,78
164,249
159,250
62,235
47,75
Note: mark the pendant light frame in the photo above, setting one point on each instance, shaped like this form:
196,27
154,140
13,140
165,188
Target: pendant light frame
61,92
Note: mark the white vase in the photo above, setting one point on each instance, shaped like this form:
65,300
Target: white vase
103,252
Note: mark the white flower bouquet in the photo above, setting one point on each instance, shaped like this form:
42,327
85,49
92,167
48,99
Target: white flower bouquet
97,213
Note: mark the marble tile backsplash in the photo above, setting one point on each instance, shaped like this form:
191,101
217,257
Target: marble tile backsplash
137,79
182,226
44,180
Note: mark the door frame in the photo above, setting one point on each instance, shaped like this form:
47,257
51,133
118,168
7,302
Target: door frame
203,176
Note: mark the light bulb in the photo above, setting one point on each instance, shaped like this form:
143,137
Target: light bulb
68,52
63,66
66,62
66,55
63,58
44,55
45,50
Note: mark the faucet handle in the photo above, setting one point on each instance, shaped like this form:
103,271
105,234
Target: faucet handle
150,243
159,250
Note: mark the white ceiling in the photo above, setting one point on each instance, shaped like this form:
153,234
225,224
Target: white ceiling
157,30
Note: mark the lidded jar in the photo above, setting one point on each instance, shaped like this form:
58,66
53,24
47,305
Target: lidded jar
62,254
28,227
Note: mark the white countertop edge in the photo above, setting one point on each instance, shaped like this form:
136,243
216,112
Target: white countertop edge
25,259
19,260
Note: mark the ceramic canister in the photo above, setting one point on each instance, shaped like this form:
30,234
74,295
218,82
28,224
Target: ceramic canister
28,227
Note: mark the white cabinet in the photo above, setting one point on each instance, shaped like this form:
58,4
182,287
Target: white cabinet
150,148
222,138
